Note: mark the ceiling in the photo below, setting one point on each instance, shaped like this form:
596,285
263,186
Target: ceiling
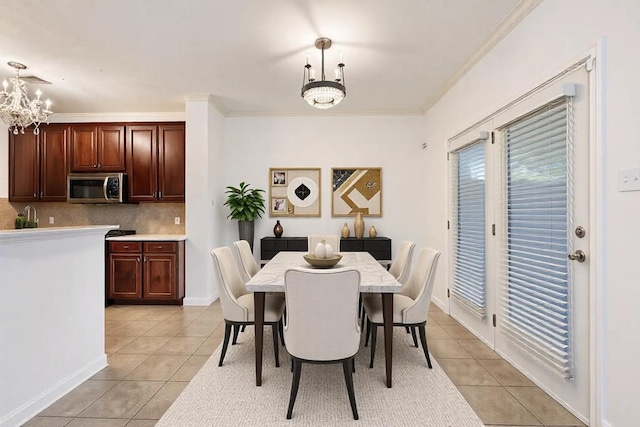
146,55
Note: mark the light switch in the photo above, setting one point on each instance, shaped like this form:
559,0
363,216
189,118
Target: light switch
629,179
176,220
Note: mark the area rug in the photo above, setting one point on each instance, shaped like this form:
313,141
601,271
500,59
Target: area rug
228,396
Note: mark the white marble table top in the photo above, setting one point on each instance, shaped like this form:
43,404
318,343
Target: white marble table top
373,277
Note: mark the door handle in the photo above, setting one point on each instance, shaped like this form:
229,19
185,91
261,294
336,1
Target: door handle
578,256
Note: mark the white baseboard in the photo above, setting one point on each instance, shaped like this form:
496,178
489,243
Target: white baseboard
443,306
32,408
197,301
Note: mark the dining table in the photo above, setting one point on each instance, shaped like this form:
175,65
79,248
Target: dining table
374,278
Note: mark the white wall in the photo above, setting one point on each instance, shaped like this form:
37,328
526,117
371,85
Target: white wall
253,145
204,131
556,33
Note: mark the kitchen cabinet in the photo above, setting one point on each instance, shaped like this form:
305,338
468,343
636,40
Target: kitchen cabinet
145,272
97,148
38,165
156,162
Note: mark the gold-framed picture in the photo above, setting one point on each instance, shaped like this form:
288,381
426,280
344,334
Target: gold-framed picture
356,190
294,191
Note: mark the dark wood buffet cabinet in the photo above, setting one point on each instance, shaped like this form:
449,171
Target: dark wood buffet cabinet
140,272
378,247
151,154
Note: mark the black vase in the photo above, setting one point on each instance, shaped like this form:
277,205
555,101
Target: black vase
277,229
245,231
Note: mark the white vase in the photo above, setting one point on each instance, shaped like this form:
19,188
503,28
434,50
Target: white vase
320,251
328,251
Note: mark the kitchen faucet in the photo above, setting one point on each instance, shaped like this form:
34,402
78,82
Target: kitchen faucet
27,212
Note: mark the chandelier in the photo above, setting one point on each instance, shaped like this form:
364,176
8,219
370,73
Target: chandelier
17,110
323,93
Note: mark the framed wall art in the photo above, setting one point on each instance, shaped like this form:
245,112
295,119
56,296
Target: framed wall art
294,191
356,190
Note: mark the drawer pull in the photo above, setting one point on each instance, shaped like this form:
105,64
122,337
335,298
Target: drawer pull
126,246
158,247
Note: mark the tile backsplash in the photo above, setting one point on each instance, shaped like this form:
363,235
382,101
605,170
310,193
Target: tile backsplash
145,218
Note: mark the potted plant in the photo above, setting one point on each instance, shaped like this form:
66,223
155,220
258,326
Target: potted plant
246,205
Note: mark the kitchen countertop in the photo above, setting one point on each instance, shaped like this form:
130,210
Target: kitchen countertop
150,237
51,233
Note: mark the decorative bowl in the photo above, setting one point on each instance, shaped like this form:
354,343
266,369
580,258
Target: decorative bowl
323,263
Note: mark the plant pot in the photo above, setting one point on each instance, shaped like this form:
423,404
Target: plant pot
245,231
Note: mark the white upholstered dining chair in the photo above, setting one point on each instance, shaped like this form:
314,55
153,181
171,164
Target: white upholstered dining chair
322,322
400,269
411,307
237,302
331,239
248,265
401,266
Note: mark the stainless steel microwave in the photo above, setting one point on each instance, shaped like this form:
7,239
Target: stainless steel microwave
96,187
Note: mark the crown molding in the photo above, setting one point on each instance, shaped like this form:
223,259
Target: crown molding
118,117
326,113
522,9
208,98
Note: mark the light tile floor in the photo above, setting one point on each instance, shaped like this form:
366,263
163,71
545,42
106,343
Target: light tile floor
154,351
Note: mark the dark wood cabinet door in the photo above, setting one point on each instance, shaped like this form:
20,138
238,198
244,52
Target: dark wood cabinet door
23,167
142,163
84,148
125,276
111,148
171,160
53,162
160,276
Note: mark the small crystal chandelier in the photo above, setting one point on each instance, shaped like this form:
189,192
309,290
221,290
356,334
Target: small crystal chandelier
17,110
323,93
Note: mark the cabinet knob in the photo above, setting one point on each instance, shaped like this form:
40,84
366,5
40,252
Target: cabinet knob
99,165
35,195
95,166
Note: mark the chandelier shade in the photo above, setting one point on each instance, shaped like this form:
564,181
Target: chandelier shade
323,94
17,110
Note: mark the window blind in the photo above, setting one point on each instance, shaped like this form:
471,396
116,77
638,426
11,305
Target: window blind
535,280
469,253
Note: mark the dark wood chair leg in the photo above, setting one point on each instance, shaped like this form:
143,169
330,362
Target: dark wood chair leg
281,327
227,334
413,335
295,382
368,333
236,330
362,320
374,334
243,326
276,343
423,340
406,328
348,378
